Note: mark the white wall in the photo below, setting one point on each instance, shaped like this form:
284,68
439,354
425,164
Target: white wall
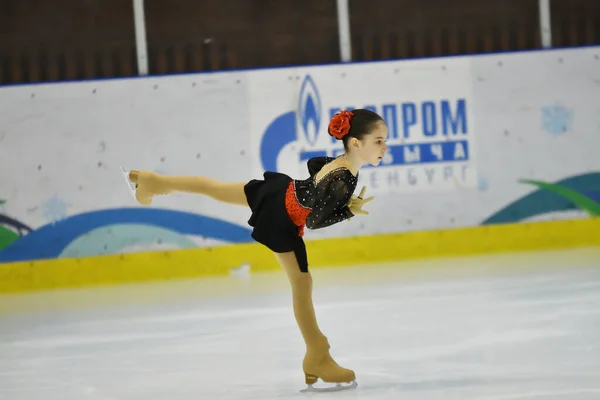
529,115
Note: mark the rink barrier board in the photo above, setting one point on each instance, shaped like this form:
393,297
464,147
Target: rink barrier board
224,260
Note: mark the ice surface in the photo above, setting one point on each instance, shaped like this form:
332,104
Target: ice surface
523,326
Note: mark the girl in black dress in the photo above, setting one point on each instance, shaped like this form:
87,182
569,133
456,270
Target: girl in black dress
282,206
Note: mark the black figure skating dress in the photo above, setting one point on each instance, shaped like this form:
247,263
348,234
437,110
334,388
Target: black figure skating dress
282,206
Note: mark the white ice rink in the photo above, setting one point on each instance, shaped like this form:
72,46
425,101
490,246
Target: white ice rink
499,327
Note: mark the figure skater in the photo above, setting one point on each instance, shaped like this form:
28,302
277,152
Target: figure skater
281,207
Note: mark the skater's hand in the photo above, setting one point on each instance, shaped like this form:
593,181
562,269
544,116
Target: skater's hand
356,202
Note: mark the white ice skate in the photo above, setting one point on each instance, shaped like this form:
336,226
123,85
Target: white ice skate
130,184
336,388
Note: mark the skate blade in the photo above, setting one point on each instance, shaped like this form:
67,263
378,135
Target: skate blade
130,184
336,388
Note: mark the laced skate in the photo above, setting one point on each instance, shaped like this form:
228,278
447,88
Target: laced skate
338,386
319,365
144,185
131,185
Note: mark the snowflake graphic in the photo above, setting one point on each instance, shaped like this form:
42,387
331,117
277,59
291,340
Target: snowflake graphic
55,209
483,184
556,119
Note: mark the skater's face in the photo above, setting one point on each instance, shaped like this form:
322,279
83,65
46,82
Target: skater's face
373,146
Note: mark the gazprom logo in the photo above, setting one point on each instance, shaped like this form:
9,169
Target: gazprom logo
285,129
422,132
309,110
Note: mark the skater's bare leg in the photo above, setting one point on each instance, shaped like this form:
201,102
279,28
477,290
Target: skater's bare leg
317,362
150,184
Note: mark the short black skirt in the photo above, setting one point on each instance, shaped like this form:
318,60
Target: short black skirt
270,221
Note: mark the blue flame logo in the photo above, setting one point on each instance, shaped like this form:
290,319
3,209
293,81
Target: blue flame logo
309,110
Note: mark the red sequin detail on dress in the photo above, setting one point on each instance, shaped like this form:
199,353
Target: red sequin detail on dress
297,213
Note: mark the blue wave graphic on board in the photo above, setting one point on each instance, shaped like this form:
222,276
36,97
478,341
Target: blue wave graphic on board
280,133
126,238
543,201
50,240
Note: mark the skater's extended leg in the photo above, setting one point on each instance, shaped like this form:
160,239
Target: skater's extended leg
150,184
317,362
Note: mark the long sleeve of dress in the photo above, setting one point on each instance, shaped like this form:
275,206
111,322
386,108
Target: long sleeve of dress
331,206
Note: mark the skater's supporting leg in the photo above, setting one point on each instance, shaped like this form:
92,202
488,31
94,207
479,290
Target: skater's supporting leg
150,184
317,362
302,284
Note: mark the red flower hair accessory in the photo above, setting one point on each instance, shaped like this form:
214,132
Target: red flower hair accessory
339,126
